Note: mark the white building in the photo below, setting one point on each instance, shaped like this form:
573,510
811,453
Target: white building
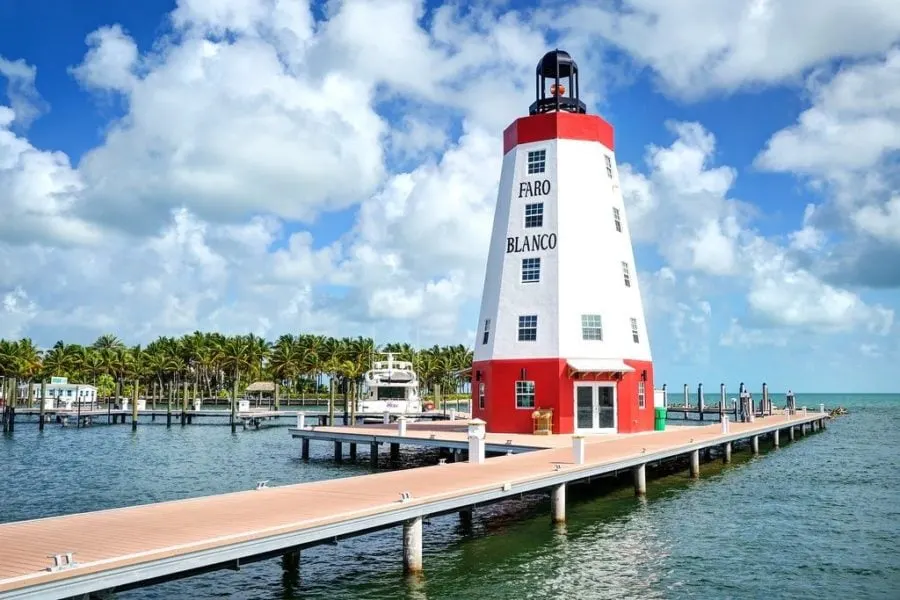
59,393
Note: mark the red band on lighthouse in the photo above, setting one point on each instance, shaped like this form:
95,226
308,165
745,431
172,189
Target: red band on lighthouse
558,125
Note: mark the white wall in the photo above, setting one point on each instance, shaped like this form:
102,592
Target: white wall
582,275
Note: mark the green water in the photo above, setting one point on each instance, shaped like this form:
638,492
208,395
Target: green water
819,518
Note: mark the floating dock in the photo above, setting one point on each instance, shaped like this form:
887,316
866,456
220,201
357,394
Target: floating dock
125,548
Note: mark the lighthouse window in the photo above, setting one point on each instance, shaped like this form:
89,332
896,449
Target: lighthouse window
527,328
591,327
531,270
524,394
608,166
481,396
634,331
537,161
617,219
534,215
642,395
487,331
626,274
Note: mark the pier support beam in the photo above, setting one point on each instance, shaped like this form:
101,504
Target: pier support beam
338,452
290,561
726,452
558,504
791,433
465,519
352,451
640,480
304,449
412,546
695,464
754,444
776,438
395,452
373,455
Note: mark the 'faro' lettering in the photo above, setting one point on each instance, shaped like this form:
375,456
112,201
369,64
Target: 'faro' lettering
530,189
531,243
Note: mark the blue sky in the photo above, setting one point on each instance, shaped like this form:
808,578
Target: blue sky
268,166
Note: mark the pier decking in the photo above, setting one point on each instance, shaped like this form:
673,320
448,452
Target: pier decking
129,547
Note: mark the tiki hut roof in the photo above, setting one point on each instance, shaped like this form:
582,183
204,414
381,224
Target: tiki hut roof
261,386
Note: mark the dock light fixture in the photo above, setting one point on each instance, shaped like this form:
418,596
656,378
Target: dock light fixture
405,496
442,461
507,486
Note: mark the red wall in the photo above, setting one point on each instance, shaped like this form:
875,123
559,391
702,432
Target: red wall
553,389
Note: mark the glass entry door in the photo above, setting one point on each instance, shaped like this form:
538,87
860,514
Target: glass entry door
595,408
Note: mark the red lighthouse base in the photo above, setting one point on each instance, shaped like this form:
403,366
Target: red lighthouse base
494,394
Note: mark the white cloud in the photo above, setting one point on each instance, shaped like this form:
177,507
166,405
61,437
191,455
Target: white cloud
683,207
39,193
704,45
847,143
26,103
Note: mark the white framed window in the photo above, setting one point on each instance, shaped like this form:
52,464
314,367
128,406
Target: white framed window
481,396
531,270
487,331
524,394
608,166
642,395
634,331
591,327
537,161
534,215
626,275
527,328
617,219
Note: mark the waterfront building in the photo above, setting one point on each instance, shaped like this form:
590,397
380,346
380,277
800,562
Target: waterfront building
59,393
561,326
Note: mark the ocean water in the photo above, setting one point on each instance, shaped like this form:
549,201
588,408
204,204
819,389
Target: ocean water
819,518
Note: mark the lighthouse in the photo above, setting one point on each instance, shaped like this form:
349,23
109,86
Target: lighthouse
561,328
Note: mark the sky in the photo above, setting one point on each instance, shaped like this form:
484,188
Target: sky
276,166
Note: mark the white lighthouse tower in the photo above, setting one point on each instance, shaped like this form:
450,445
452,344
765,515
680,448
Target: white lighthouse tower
562,324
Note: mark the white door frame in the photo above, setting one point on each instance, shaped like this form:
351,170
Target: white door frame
595,400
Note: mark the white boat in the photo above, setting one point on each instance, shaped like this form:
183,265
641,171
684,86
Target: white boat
391,386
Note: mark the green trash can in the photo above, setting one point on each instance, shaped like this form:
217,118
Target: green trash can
660,422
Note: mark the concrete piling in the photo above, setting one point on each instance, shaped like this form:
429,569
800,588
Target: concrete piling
640,480
726,452
412,546
373,455
754,444
695,464
558,503
338,452
791,434
304,449
776,441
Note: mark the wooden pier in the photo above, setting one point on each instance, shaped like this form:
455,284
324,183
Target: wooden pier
125,548
247,419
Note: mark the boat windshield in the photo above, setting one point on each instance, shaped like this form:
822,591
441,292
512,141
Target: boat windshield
391,393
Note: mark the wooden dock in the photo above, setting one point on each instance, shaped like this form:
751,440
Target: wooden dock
131,547
249,418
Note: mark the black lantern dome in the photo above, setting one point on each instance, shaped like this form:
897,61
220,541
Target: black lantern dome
556,85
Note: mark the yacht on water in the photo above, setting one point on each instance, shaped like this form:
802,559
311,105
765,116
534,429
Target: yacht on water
391,386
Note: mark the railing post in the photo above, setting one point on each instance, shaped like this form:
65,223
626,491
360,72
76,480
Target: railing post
578,449
476,441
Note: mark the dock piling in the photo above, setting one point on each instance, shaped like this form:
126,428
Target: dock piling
754,444
791,434
640,480
776,441
338,452
352,451
373,455
695,464
304,449
558,503
578,449
412,546
726,452
401,426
